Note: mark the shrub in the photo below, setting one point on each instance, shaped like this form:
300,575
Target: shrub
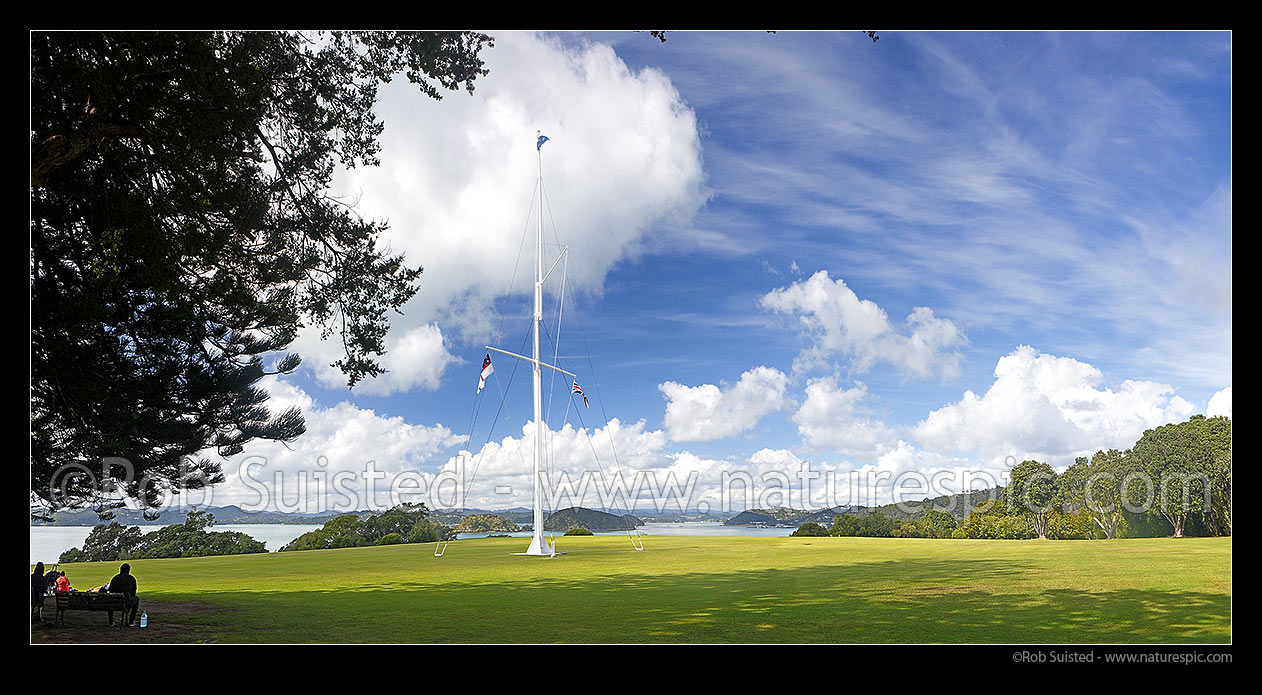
344,531
810,529
1072,526
106,543
391,539
426,531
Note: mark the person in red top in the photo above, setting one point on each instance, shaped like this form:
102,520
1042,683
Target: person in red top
63,584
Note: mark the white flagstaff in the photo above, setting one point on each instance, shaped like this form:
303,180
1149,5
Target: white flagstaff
538,544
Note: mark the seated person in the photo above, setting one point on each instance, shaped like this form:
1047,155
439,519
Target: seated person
63,584
39,588
124,583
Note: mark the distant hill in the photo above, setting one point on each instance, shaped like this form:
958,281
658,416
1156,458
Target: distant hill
787,517
959,506
481,523
523,517
590,519
675,517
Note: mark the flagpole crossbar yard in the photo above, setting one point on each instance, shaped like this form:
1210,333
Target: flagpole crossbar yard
532,361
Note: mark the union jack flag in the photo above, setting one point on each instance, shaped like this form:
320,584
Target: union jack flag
579,390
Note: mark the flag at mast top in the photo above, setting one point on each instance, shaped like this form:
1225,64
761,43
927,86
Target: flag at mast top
539,144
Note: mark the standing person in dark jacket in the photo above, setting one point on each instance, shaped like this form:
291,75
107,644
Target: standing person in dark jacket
39,587
125,583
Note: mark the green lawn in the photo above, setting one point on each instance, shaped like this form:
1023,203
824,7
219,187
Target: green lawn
687,589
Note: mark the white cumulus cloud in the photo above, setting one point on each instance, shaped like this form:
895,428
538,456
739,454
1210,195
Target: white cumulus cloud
835,418
1049,408
1220,403
418,358
342,441
458,177
842,324
707,412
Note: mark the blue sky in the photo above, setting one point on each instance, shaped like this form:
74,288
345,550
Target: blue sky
936,252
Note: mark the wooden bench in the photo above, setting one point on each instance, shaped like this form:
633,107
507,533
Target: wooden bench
89,601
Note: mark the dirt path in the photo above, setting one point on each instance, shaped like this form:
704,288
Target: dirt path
169,622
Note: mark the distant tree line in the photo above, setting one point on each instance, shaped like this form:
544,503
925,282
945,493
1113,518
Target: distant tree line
406,523
114,541
1175,481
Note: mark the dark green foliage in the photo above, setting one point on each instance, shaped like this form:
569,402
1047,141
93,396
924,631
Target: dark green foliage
810,528
934,523
582,517
110,542
995,520
479,523
182,232
1102,491
1178,459
1032,492
579,532
958,505
398,520
1072,526
875,525
1216,433
406,523
341,532
1103,497
105,543
428,531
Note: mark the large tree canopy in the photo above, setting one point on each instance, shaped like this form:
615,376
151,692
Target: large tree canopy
1179,460
182,232
1032,492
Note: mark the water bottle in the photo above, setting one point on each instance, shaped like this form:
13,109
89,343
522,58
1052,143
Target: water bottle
144,619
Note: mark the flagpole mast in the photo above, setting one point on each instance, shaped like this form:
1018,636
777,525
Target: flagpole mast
537,544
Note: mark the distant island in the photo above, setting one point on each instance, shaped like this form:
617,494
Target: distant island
787,517
484,523
590,519
958,506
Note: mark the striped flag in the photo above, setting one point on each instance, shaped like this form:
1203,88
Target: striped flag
579,390
486,371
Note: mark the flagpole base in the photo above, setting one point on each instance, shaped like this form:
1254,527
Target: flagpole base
540,547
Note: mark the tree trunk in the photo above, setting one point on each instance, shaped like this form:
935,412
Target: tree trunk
1106,524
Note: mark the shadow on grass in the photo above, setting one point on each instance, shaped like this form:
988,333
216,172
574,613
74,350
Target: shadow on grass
904,601
182,622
